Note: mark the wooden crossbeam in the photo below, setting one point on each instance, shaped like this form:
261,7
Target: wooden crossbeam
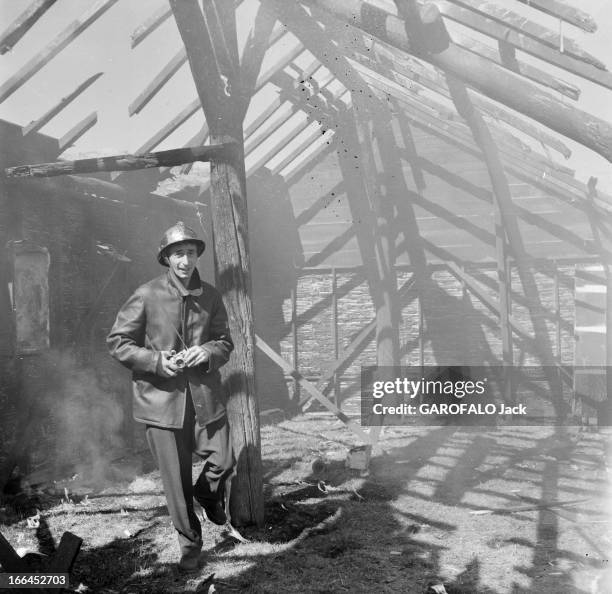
524,26
588,71
169,158
153,22
490,79
37,124
310,388
565,12
23,23
78,130
52,49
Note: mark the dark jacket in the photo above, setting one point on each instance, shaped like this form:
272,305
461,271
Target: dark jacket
149,322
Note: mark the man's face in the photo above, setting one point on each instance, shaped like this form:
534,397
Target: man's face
182,259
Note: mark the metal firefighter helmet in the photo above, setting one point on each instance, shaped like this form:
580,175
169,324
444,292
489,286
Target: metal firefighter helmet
177,234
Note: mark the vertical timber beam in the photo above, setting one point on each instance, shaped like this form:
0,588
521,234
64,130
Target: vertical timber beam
209,36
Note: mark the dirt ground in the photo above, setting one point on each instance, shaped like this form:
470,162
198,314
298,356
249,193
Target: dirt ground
473,510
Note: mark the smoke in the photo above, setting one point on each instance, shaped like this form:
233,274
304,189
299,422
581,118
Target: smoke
81,414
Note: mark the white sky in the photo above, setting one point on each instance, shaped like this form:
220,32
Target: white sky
105,46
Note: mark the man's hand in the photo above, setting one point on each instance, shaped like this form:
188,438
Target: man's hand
196,355
165,366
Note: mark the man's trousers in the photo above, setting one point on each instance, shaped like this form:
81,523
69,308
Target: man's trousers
172,450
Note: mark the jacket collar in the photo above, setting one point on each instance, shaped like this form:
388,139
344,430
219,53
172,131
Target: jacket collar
195,284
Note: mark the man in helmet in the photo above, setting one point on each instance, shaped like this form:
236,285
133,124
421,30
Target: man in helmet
179,397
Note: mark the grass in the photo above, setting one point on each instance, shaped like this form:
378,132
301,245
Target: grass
470,508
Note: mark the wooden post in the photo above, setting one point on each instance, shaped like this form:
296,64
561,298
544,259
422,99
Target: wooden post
557,310
334,329
608,413
294,339
210,42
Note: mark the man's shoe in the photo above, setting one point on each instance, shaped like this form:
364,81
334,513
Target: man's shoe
215,512
213,509
189,560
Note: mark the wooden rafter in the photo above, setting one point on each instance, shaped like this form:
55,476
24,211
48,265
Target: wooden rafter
37,124
78,130
500,32
52,49
524,26
513,64
519,167
170,127
390,63
412,76
565,12
153,22
160,79
423,105
493,81
24,22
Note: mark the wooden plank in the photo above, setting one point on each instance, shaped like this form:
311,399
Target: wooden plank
568,190
255,47
124,162
159,80
170,127
596,74
52,49
10,560
295,340
150,24
23,23
77,131
523,68
448,119
64,557
407,71
544,35
565,12
36,125
490,79
310,388
209,36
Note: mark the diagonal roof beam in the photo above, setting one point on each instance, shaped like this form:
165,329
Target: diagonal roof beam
23,24
565,12
36,125
488,78
153,22
507,59
396,65
524,26
55,47
593,72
